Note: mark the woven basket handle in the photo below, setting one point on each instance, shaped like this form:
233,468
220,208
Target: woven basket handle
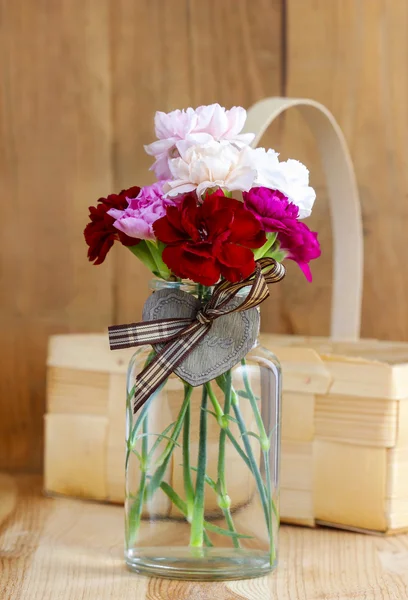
344,205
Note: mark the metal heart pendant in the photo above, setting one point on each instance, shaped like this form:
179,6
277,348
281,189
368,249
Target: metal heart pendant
230,338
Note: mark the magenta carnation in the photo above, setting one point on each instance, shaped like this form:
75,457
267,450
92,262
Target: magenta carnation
137,219
301,245
277,215
272,208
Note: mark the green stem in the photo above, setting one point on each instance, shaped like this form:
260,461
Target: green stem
238,449
197,523
216,405
224,501
182,506
207,540
188,484
164,459
264,440
254,466
265,446
223,421
135,512
272,551
248,449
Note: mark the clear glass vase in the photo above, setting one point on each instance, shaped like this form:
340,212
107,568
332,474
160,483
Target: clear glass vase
202,471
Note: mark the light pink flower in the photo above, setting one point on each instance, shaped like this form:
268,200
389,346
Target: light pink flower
138,218
207,166
205,124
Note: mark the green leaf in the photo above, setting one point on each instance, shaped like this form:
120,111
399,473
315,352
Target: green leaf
263,251
208,480
156,251
252,434
211,412
174,497
227,532
244,394
142,252
136,453
221,382
230,418
161,436
278,255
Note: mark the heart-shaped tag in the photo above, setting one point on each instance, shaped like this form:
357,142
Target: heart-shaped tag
228,341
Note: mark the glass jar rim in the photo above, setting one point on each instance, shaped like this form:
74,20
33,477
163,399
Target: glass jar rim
189,286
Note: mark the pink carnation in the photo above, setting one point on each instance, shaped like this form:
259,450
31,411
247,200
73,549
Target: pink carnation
200,126
137,219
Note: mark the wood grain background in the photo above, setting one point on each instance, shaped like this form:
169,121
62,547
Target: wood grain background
80,83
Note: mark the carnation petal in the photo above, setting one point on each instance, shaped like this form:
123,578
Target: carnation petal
236,120
165,232
161,168
305,270
244,139
179,169
241,178
160,146
198,126
189,265
179,186
135,227
246,230
162,125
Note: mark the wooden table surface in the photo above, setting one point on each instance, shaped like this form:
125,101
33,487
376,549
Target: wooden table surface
63,549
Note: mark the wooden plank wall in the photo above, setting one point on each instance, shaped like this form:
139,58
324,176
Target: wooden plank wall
353,57
80,84
81,81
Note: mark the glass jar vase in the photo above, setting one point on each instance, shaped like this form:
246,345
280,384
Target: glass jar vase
202,470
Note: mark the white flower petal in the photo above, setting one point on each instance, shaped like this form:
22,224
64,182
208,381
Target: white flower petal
206,185
179,169
178,186
242,179
243,139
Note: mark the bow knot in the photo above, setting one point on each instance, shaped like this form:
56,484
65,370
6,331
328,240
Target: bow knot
180,335
203,318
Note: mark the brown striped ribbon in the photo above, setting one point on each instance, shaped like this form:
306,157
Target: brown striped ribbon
181,335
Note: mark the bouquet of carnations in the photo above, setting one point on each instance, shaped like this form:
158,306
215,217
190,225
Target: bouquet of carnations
213,229
218,204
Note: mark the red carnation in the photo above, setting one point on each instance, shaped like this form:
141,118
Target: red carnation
209,240
100,234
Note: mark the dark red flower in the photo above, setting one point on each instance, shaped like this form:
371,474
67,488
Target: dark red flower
211,239
100,234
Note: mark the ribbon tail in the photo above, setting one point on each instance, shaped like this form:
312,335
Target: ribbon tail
146,332
165,362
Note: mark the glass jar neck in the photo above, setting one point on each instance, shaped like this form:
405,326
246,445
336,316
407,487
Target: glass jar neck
186,285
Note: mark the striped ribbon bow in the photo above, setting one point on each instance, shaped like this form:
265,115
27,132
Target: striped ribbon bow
181,335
